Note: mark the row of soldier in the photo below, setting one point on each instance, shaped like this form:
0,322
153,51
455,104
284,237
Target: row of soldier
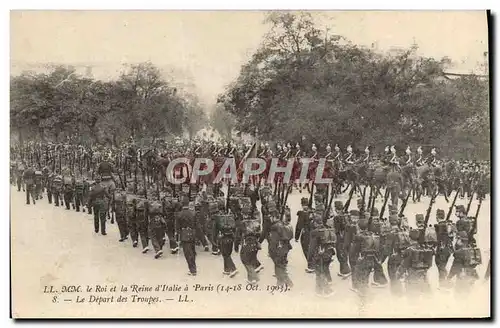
361,239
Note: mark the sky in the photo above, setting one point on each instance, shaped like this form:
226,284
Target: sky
206,49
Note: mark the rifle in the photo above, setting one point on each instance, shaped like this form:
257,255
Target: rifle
386,198
348,203
403,206
448,215
427,216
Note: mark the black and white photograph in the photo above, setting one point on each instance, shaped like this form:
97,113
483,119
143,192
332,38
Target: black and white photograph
250,164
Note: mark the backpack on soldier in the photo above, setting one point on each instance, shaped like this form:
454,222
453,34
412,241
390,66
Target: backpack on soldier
286,232
237,191
421,258
79,186
370,244
251,227
225,222
264,192
472,257
403,240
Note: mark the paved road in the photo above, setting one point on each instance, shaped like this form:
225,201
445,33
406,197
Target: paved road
52,246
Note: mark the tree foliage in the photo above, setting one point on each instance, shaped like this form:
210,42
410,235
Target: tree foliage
139,103
302,82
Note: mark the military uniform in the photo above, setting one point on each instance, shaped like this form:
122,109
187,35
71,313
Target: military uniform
379,228
340,225
397,241
99,199
417,259
68,187
186,229
19,176
303,231
79,191
38,184
172,206
29,181
225,229
279,236
365,250
120,209
200,224
466,258
139,224
156,226
351,231
247,234
445,231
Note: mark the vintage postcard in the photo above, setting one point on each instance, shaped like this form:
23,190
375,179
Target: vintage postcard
250,164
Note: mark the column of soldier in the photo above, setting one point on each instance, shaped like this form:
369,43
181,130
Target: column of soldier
147,207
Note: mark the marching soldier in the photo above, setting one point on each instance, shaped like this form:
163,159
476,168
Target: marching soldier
397,241
323,249
420,160
172,206
200,224
247,234
349,159
467,257
68,183
279,238
139,227
351,231
303,231
408,156
79,192
432,158
19,175
38,184
98,198
186,229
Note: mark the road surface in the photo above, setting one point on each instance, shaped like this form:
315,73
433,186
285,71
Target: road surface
54,247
